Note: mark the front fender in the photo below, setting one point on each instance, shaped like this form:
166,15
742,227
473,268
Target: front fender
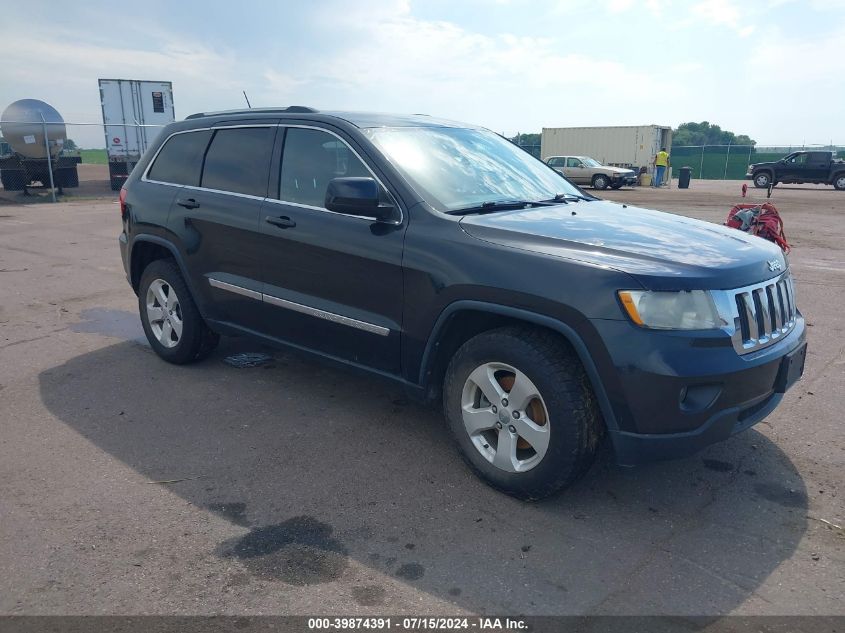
598,364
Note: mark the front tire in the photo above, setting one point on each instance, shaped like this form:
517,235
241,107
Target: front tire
173,325
600,182
762,180
839,182
522,411
617,185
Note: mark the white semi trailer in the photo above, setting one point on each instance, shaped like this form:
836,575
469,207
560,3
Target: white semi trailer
133,114
619,146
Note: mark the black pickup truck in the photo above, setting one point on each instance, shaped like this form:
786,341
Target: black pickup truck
819,168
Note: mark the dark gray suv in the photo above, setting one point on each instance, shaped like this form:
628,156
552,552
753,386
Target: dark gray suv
443,257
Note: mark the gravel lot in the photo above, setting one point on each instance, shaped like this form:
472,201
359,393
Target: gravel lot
299,489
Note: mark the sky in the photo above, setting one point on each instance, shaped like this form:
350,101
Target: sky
772,69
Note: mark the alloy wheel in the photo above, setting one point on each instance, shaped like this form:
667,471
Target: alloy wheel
505,417
164,313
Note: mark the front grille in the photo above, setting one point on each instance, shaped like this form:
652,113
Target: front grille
764,313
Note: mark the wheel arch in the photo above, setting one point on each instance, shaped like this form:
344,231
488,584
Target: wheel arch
464,319
146,249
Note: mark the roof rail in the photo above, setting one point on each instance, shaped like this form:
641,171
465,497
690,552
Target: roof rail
287,110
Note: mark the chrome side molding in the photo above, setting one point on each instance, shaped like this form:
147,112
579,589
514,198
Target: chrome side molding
301,308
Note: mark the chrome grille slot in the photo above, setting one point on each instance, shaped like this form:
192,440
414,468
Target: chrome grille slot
758,315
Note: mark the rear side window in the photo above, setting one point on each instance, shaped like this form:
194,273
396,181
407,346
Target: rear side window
180,160
311,159
238,160
556,162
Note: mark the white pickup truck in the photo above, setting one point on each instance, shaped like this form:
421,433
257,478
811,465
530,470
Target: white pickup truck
583,170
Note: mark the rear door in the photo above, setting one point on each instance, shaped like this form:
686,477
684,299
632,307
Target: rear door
217,222
332,282
557,163
818,166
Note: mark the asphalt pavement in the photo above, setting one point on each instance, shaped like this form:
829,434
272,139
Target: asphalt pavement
131,486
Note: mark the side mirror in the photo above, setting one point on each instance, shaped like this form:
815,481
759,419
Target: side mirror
357,196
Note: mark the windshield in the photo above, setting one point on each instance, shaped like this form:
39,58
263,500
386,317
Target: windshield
458,168
591,162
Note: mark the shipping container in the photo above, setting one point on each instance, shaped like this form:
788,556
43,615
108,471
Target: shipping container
134,112
621,146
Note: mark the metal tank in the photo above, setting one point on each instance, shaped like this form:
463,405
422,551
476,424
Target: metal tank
22,128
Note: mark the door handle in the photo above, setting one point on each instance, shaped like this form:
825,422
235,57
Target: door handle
283,222
188,203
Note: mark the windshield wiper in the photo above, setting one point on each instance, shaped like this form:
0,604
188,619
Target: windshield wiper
500,205
568,197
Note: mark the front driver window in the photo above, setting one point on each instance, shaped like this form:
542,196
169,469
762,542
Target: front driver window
311,159
574,162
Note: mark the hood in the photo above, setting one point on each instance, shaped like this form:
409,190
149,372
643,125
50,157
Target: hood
661,250
618,170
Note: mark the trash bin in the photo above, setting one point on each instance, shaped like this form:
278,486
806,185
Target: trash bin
683,177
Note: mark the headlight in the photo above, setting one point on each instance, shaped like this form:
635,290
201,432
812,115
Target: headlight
684,310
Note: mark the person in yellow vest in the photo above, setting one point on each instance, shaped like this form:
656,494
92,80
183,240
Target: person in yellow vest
661,164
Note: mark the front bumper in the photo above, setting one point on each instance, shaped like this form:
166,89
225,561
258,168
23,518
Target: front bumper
677,394
624,180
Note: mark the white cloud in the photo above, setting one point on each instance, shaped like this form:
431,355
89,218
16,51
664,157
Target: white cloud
619,6
599,69
501,81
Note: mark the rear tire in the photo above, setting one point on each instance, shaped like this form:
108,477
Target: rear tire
547,437
600,181
173,325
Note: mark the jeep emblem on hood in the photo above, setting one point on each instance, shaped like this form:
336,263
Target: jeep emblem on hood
774,264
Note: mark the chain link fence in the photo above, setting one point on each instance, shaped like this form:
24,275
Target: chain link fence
78,163
46,160
722,162
730,162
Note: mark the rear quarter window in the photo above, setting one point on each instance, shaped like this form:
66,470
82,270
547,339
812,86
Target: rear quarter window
180,160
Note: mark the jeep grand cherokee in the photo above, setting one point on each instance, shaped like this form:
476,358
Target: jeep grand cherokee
444,257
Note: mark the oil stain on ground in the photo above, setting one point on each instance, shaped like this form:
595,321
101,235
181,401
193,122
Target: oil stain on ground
718,465
369,596
114,323
410,571
299,551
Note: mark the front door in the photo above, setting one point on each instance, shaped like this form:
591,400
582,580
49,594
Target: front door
576,172
794,168
332,282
